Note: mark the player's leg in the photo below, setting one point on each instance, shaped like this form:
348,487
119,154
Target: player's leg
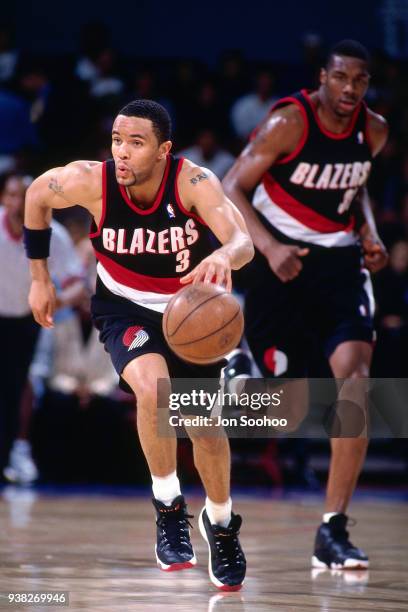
173,548
135,343
218,525
349,362
276,335
142,374
349,350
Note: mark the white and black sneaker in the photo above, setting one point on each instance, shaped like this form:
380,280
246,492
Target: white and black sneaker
226,563
237,371
173,548
333,548
21,468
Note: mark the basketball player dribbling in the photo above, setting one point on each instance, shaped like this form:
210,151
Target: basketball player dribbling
308,163
152,220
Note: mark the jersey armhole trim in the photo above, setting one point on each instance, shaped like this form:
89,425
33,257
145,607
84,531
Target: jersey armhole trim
366,130
188,213
103,214
305,134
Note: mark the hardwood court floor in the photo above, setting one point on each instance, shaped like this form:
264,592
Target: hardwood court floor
100,549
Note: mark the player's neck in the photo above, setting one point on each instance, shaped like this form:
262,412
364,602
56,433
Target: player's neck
144,195
329,119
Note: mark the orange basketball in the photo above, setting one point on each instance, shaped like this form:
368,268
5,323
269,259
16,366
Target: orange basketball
202,323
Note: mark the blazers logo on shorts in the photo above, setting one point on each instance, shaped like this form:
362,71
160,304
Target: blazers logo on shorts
135,337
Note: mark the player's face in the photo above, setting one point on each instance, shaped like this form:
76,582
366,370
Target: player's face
344,83
13,198
135,149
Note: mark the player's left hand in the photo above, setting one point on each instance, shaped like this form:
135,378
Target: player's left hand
375,253
216,268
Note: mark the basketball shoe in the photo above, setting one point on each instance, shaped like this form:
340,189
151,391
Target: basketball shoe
21,468
173,548
237,371
333,548
226,562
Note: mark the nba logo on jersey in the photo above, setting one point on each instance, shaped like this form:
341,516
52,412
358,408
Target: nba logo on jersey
360,137
135,337
170,211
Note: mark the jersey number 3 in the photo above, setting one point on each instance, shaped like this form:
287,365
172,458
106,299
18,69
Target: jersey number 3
183,257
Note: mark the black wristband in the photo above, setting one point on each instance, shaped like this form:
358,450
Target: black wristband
37,242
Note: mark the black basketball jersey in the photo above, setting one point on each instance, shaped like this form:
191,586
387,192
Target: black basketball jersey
309,194
146,251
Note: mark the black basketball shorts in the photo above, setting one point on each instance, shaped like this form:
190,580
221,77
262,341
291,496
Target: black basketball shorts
128,331
291,327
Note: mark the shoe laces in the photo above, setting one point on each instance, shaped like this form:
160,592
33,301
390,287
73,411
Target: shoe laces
174,526
342,535
228,547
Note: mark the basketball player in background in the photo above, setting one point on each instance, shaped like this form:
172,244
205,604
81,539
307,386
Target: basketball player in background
152,221
308,164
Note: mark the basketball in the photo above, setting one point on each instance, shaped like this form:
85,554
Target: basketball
202,323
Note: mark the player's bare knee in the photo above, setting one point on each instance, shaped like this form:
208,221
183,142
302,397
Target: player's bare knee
207,439
212,444
146,392
362,370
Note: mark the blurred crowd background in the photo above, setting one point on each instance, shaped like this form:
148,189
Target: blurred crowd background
59,108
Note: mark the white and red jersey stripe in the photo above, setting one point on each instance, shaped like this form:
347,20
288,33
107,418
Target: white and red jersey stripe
300,223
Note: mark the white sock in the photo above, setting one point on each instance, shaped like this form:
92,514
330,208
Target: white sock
166,488
21,444
218,514
327,516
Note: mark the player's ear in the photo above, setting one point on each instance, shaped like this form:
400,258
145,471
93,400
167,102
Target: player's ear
323,76
164,149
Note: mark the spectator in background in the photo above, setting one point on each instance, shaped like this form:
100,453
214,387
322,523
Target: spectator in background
207,152
206,109
183,87
232,77
70,363
209,109
35,86
249,110
8,53
313,58
94,38
392,314
144,85
18,330
107,86
17,132
49,99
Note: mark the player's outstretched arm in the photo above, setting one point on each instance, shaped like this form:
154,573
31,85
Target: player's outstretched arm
201,190
77,183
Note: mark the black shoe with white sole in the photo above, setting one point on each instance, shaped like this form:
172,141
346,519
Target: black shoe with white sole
173,549
226,563
333,548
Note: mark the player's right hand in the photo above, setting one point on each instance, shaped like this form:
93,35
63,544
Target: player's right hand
43,301
285,260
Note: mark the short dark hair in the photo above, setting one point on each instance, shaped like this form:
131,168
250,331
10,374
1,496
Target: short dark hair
148,109
349,48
